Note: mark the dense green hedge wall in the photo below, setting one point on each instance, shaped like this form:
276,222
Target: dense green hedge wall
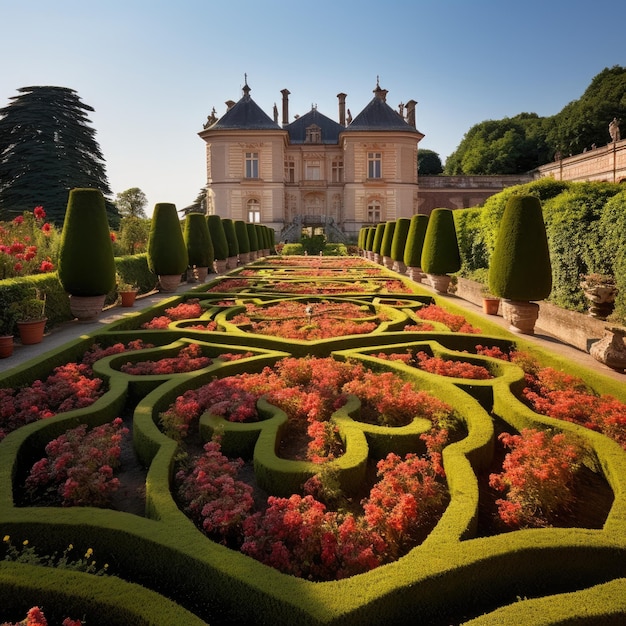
586,229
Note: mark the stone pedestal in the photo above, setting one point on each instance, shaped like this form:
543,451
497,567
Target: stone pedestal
611,349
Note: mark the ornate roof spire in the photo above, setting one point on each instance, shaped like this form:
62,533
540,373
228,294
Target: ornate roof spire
246,90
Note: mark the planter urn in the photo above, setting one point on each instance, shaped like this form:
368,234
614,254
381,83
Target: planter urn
6,346
31,331
611,349
521,315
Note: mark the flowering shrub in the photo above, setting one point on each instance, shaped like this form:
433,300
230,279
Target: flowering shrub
70,386
537,477
211,494
298,320
188,359
35,617
78,468
27,245
456,323
183,311
439,365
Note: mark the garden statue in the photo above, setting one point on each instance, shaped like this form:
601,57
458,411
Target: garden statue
614,130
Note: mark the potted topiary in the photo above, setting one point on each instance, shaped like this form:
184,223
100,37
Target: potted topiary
414,246
440,254
167,252
126,291
520,271
220,243
200,252
254,241
377,243
241,230
385,244
86,263
232,260
398,244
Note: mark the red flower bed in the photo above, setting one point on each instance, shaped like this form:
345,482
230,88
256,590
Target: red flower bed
299,320
78,467
184,311
439,365
35,617
456,323
188,359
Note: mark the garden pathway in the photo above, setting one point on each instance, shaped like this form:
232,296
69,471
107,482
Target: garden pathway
71,330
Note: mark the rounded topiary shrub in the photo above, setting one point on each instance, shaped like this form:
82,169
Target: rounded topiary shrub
167,252
440,253
385,245
415,241
252,237
218,237
241,230
231,236
378,238
369,238
520,266
398,242
198,241
86,263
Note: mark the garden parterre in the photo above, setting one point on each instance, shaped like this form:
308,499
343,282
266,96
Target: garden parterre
455,550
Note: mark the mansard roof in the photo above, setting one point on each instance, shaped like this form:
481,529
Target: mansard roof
245,115
378,115
329,128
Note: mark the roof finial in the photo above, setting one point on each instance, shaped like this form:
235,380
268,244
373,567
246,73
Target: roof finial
246,90
377,82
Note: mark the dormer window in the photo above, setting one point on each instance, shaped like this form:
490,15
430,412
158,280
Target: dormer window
313,134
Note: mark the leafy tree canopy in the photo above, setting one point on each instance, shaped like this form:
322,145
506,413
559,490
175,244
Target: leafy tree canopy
47,148
428,163
526,141
132,203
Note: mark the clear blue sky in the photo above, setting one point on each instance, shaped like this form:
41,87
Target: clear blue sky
154,69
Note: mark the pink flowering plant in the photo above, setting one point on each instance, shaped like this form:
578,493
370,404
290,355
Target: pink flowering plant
36,617
190,309
28,245
78,469
456,323
188,359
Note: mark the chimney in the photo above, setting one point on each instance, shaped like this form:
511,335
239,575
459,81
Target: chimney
285,93
342,108
410,112
230,104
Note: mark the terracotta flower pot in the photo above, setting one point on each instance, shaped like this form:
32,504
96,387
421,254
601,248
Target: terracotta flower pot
6,346
439,282
127,298
491,306
31,331
520,315
86,308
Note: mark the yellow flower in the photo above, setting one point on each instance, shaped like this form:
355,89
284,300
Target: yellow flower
88,553
25,542
6,539
70,547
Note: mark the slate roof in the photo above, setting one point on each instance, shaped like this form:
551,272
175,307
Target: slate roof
378,115
245,115
329,128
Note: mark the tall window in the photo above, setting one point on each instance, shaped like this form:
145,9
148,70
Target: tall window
290,171
252,164
313,170
373,211
374,165
254,211
337,171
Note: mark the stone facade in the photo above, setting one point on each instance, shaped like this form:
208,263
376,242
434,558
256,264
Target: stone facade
313,174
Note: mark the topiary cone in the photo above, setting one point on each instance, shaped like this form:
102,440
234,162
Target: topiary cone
385,245
252,237
520,267
415,241
199,244
167,252
440,253
218,237
86,263
399,240
378,238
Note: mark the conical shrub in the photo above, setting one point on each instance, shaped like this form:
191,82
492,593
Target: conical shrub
231,236
378,238
385,245
415,241
398,242
440,254
520,267
241,230
252,237
218,237
167,252
86,263
198,241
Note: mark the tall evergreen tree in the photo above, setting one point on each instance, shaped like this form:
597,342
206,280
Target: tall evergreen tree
47,148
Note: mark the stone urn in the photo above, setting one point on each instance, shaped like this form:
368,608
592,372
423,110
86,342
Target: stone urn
399,266
521,315
388,262
169,282
439,282
600,290
415,274
244,258
611,349
200,273
232,262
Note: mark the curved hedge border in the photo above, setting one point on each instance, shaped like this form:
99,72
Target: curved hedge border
451,576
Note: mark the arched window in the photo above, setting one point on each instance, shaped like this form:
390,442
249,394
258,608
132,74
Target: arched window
254,211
